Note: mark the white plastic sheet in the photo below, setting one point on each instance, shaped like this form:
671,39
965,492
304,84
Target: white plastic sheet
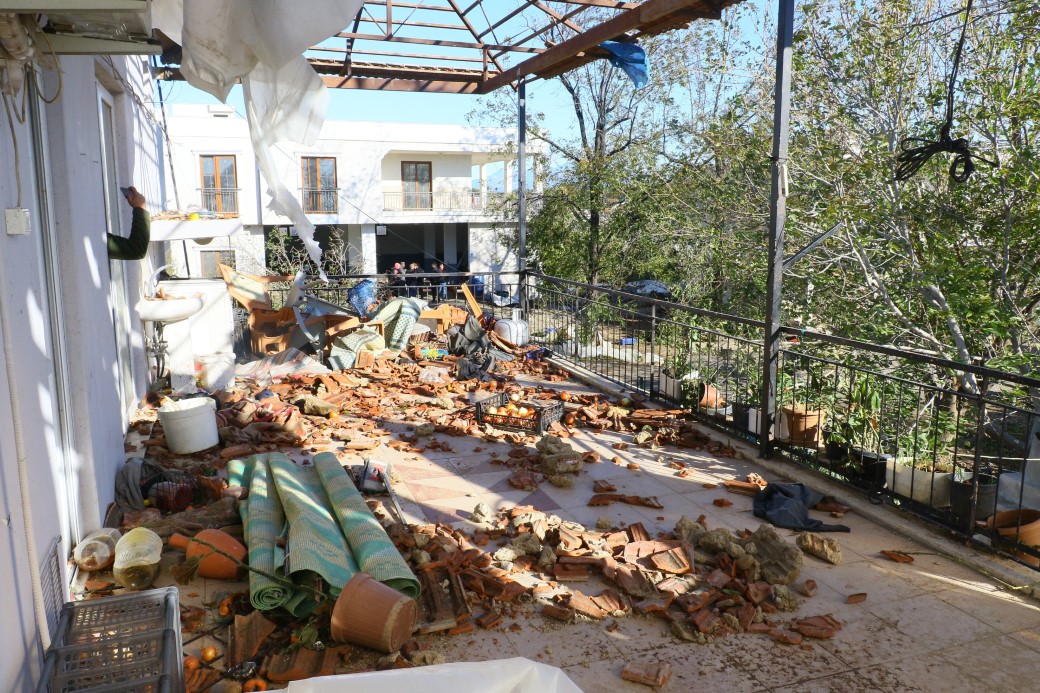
517,675
261,43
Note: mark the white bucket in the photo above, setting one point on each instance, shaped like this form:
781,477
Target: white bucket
190,425
216,372
513,331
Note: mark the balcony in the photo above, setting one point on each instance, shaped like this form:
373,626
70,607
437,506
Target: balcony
320,200
222,201
435,202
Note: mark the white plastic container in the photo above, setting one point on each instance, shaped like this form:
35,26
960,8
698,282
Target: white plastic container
190,425
216,372
97,550
137,558
513,331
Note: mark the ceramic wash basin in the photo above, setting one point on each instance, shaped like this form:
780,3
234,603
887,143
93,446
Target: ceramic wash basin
168,310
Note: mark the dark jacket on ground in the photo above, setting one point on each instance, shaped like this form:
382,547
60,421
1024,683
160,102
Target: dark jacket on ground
135,246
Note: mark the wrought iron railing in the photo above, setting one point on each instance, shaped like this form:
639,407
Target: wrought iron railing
319,200
956,444
220,200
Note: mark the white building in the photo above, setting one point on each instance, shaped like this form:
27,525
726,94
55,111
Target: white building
395,192
72,349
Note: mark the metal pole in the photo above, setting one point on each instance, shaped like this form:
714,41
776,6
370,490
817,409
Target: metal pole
521,190
777,216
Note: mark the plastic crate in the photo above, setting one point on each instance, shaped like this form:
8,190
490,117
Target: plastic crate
115,664
545,414
120,616
129,642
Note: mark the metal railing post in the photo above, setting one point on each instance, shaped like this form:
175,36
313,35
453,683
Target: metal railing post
976,462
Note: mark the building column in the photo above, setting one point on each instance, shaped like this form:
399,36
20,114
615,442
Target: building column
451,257
429,245
483,191
368,248
507,176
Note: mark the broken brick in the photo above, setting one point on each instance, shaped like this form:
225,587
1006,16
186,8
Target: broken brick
583,604
654,674
704,620
490,620
560,613
825,626
856,598
671,561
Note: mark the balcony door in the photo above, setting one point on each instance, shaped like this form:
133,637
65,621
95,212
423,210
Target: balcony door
417,178
219,183
319,185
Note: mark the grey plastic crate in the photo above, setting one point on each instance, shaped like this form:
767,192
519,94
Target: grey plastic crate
119,616
124,643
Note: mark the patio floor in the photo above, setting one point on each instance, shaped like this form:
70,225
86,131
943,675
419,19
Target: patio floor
922,627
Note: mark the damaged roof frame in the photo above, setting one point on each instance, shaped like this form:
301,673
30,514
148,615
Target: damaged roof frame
406,51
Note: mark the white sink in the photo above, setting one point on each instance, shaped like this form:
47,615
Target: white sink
169,310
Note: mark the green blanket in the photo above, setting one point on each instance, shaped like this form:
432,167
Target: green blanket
368,541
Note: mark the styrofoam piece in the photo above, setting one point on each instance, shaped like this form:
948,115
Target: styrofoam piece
517,675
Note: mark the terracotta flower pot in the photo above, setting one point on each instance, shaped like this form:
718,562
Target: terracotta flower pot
370,614
708,396
213,565
805,426
1022,526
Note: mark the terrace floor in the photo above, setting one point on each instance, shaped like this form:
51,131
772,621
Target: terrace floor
922,626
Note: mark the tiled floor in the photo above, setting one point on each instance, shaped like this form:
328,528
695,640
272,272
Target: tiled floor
926,626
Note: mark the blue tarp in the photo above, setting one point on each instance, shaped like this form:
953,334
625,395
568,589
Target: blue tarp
631,58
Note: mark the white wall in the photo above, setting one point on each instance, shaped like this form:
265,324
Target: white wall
451,173
65,312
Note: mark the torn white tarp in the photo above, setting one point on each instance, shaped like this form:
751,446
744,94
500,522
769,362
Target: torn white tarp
516,675
261,43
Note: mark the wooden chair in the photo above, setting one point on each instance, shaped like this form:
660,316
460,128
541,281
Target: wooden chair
250,290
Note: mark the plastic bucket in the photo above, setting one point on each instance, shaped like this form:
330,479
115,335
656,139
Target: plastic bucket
370,614
137,558
216,372
190,425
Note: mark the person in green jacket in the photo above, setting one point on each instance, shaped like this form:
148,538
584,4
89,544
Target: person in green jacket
135,246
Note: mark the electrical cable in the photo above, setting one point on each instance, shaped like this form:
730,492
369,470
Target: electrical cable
912,158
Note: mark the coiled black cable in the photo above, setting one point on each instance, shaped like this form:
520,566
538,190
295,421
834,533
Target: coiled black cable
911,158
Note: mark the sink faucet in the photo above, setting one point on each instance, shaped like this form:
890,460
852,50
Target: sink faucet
153,281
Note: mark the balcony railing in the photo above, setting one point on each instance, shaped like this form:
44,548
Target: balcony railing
886,422
436,201
320,200
220,200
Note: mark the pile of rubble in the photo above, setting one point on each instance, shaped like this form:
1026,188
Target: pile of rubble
703,583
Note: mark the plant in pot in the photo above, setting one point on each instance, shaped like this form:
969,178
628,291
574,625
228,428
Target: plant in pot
859,429
746,400
805,413
676,376
920,471
963,489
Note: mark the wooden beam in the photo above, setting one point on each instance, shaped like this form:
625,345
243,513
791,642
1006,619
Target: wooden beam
437,42
410,85
658,14
394,54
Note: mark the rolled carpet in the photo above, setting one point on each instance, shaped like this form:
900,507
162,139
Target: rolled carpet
314,546
372,548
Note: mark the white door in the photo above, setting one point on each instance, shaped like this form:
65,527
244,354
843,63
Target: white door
115,210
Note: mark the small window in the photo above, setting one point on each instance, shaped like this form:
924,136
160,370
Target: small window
319,185
417,179
209,259
219,184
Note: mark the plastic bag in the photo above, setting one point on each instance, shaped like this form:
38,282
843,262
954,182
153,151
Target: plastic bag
517,675
432,374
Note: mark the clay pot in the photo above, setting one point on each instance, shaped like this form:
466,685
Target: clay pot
213,565
370,614
804,426
708,396
1022,526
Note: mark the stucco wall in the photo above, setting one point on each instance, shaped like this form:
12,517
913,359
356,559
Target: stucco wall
64,325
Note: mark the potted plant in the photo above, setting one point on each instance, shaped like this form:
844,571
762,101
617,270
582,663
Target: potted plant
856,430
918,471
746,400
804,416
961,490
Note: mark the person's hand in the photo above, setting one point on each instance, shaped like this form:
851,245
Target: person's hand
135,199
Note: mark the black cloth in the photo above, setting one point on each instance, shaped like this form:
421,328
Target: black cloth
134,246
787,506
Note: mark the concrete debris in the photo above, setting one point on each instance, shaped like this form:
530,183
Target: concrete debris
824,548
780,560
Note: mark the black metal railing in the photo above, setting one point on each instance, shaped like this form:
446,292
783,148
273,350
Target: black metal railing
954,443
319,200
220,200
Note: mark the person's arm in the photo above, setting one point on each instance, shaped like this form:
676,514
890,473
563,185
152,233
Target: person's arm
135,246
